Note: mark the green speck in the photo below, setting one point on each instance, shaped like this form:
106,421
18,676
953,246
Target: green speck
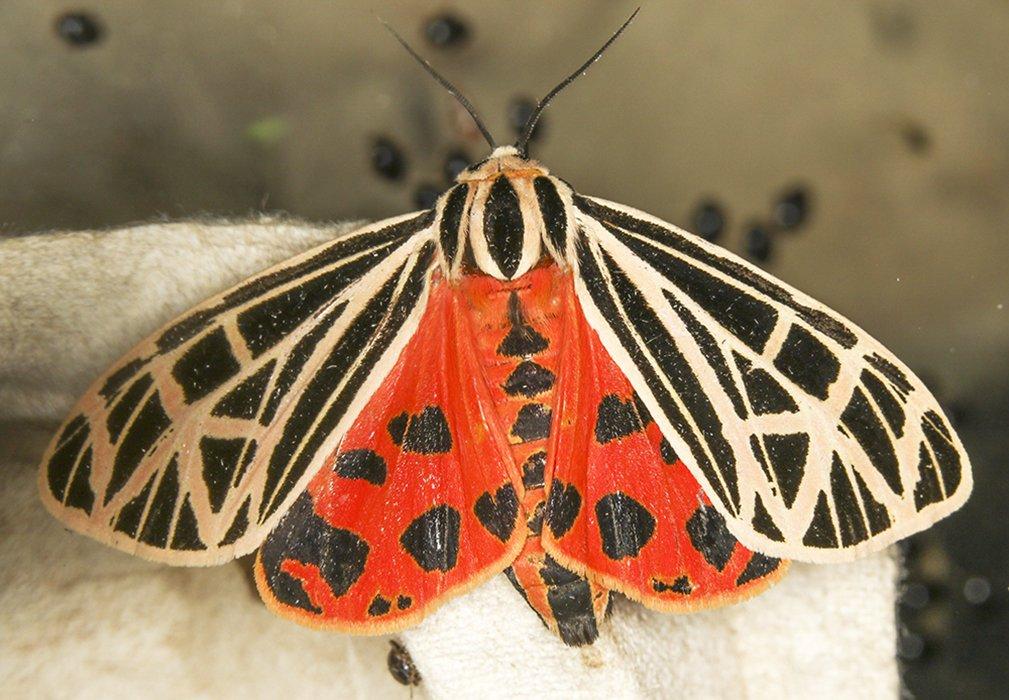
267,131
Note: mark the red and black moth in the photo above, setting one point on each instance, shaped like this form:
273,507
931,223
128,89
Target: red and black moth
523,380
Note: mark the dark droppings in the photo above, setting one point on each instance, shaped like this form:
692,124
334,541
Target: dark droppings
757,242
387,159
791,210
445,30
78,29
708,220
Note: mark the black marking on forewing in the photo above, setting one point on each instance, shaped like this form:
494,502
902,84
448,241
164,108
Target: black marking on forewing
118,379
759,566
875,512
940,439
712,353
187,531
245,399
786,456
676,368
763,522
522,340
597,288
821,529
497,512
126,405
129,516
820,320
552,209
562,507
361,464
432,539
238,526
888,405
928,490
807,362
80,495
206,365
625,526
451,220
859,418
709,536
150,423
220,457
69,446
892,372
303,536
850,522
378,244
370,333
528,379
503,227
162,510
766,395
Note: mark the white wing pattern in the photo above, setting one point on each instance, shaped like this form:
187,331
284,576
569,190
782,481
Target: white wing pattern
812,439
212,426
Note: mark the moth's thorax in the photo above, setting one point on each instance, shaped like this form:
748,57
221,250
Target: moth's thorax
502,216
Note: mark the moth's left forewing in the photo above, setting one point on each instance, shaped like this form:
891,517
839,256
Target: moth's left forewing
813,440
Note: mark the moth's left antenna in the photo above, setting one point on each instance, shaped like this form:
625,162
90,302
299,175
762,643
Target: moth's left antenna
444,83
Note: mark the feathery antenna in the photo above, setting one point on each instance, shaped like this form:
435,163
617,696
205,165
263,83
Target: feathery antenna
522,144
444,83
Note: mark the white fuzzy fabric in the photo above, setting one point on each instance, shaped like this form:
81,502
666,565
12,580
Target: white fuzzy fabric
79,620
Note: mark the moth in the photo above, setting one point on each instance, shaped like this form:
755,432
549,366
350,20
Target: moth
522,379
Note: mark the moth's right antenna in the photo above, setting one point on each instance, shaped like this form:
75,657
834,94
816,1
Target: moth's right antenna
444,83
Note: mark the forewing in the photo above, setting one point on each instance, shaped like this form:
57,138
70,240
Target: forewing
191,448
419,502
622,508
811,439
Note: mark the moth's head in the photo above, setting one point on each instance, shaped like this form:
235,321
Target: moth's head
506,161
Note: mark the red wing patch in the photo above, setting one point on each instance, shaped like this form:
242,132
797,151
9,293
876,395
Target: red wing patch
420,502
621,507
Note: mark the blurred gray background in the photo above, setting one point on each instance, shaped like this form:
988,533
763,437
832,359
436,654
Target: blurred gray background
867,142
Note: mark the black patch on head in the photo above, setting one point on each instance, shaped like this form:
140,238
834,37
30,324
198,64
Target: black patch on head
497,513
759,566
238,526
379,606
709,536
528,379
126,405
863,423
552,209
786,456
807,362
532,470
625,525
532,422
928,490
940,439
570,598
763,522
821,529
766,395
149,424
244,400
616,418
205,366
667,453
849,517
522,340
562,507
361,464
680,585
888,405
303,536
432,539
397,427
451,218
220,457
428,433
403,602
187,531
503,227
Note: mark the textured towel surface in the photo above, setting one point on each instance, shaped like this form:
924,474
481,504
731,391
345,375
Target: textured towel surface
80,620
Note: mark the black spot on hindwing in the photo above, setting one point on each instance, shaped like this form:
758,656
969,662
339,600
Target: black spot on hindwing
532,422
528,379
497,512
759,566
428,433
709,536
361,464
562,507
681,585
625,526
532,470
616,419
432,539
379,606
